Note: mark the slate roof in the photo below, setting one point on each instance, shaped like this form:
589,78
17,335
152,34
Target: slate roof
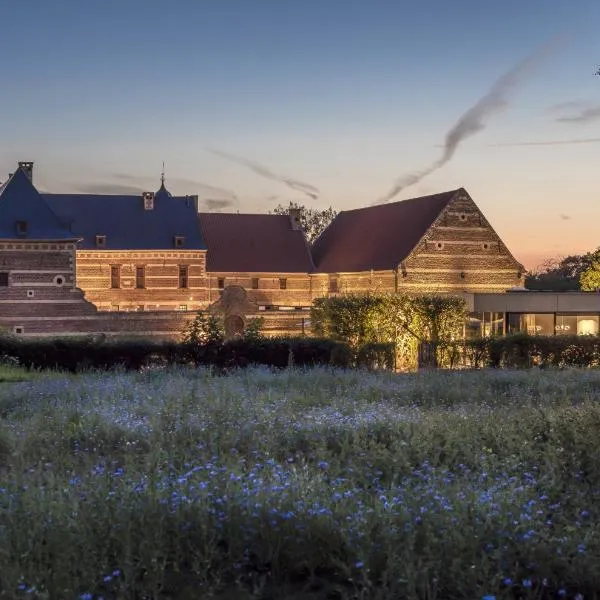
20,201
254,243
377,237
125,222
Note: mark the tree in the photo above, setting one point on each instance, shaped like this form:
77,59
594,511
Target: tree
589,280
312,220
560,274
401,319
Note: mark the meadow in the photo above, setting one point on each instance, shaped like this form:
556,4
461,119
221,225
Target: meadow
300,484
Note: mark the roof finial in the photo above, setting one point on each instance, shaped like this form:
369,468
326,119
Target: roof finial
162,175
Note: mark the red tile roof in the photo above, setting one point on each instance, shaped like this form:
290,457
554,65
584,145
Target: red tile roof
377,237
253,243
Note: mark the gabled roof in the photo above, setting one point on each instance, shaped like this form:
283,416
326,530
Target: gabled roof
125,222
377,237
20,201
254,243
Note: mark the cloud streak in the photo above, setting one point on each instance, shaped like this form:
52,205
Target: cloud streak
548,143
216,204
294,184
475,118
584,115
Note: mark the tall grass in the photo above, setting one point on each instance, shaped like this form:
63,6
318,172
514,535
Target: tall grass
301,484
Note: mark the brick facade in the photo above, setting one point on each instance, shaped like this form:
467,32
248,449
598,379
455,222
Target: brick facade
64,285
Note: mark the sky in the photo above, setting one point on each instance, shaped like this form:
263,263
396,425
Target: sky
346,96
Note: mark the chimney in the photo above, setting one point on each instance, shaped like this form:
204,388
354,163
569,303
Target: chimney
27,167
295,218
193,201
148,198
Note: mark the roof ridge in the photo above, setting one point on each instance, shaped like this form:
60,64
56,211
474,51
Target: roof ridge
374,206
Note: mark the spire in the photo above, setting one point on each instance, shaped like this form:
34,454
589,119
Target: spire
162,190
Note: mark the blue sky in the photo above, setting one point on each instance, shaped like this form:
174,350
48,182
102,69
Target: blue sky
345,95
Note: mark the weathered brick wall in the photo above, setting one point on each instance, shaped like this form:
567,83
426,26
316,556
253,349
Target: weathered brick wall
462,252
297,292
161,291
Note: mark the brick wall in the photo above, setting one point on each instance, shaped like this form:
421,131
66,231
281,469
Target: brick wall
161,280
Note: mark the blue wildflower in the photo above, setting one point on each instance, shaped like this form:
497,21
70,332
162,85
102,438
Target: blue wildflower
489,597
507,581
527,583
359,564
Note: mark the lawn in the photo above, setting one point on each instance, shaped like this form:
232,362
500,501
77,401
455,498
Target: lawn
301,484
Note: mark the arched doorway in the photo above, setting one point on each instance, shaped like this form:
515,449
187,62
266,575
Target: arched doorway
234,326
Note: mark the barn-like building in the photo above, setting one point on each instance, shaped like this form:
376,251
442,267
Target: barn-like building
117,264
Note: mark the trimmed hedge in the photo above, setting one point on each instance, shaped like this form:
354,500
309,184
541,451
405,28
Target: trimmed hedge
523,351
80,354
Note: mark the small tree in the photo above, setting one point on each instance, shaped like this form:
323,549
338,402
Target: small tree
204,329
312,220
253,329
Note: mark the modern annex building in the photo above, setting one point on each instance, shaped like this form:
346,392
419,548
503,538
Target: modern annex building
80,263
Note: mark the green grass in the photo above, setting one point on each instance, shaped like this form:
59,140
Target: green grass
11,374
301,484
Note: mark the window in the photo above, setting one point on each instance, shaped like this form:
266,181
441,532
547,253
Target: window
115,277
178,241
182,307
140,277
333,285
183,276
255,283
440,245
4,279
100,241
462,217
19,329
283,283
30,293
59,280
115,307
221,283
486,246
21,227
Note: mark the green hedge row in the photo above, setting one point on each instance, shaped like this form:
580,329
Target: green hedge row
80,354
524,351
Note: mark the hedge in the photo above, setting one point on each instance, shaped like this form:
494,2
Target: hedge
524,351
80,354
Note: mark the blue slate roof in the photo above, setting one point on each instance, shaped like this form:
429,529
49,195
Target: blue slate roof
125,222
20,201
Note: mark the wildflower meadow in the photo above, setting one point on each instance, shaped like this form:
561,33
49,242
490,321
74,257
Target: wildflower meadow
302,484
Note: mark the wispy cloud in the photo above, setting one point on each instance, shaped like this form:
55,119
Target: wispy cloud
548,143
567,105
475,118
583,115
106,188
294,184
217,204
565,217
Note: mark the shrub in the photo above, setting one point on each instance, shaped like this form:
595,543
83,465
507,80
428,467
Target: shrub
376,356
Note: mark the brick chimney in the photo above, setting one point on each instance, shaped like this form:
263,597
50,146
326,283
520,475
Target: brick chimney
295,218
27,167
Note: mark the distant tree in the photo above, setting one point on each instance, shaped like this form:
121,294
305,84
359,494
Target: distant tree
254,329
560,275
312,220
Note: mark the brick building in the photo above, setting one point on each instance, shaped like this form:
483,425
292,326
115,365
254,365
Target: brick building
73,263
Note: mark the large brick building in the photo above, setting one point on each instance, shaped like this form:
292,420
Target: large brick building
72,263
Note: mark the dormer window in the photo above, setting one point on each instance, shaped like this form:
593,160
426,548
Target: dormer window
21,227
178,241
100,241
148,198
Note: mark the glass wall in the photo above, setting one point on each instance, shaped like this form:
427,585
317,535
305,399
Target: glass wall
484,324
551,324
576,324
532,324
